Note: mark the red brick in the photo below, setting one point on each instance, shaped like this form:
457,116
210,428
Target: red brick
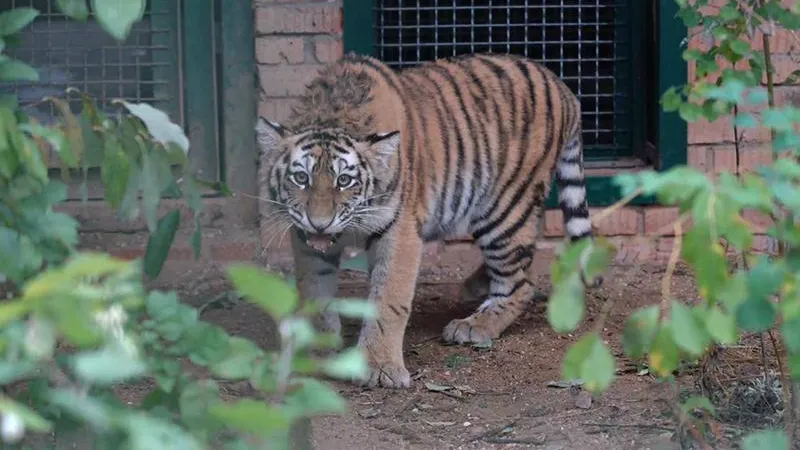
699,157
634,249
553,223
752,158
235,251
276,109
286,81
625,221
658,219
787,96
317,19
328,49
279,50
783,66
724,158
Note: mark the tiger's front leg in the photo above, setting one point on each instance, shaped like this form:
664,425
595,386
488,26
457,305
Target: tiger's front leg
394,263
317,280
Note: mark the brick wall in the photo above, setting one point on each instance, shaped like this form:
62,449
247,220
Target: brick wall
293,40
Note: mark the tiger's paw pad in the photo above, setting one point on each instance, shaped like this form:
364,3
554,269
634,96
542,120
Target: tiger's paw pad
392,376
463,331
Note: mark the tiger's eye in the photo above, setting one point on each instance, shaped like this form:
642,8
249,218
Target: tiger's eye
300,178
344,180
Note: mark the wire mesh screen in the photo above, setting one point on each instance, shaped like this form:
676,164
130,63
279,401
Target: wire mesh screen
581,40
70,53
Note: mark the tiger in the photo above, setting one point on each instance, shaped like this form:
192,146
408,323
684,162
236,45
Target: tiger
388,160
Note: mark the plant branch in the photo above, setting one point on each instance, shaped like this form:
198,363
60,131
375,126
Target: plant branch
666,282
616,206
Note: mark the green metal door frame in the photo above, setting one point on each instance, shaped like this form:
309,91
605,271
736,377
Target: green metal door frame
672,130
220,92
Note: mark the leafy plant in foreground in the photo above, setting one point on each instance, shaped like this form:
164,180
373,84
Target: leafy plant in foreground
759,295
76,328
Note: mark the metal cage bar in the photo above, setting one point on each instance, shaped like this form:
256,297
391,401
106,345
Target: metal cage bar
70,53
586,42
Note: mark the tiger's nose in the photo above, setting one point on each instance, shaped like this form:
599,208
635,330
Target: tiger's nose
320,224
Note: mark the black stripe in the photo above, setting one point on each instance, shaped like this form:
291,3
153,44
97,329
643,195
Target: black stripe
444,192
449,78
517,286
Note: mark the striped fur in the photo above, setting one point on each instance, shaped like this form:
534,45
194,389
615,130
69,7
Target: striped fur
452,147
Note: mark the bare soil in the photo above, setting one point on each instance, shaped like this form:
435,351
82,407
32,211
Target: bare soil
500,396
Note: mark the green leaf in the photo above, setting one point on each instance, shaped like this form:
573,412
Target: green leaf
756,315
159,126
75,9
639,331
687,331
590,360
565,308
15,19
13,70
29,417
664,355
766,440
309,397
698,402
791,334
690,112
159,243
240,363
151,433
107,366
115,172
90,410
250,416
118,16
721,326
745,120
195,401
740,47
671,100
268,291
356,309
151,192
351,364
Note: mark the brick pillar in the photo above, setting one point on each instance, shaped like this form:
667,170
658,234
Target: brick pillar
294,39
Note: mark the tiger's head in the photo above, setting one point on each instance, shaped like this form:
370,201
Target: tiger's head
327,182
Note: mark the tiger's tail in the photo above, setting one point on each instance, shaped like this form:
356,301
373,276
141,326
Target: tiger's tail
572,188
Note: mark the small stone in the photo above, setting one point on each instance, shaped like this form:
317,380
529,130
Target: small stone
583,400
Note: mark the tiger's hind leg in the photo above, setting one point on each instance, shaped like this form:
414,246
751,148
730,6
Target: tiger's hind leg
508,250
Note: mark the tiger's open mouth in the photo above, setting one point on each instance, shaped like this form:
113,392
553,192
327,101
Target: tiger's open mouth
319,242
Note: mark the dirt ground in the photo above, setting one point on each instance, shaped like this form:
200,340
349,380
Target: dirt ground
495,398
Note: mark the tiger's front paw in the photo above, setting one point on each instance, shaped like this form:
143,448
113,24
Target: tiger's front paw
469,330
388,375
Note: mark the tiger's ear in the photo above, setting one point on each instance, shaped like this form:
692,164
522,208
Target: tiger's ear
384,145
269,134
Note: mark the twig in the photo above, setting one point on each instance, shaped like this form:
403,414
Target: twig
613,208
604,313
666,282
534,440
630,425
